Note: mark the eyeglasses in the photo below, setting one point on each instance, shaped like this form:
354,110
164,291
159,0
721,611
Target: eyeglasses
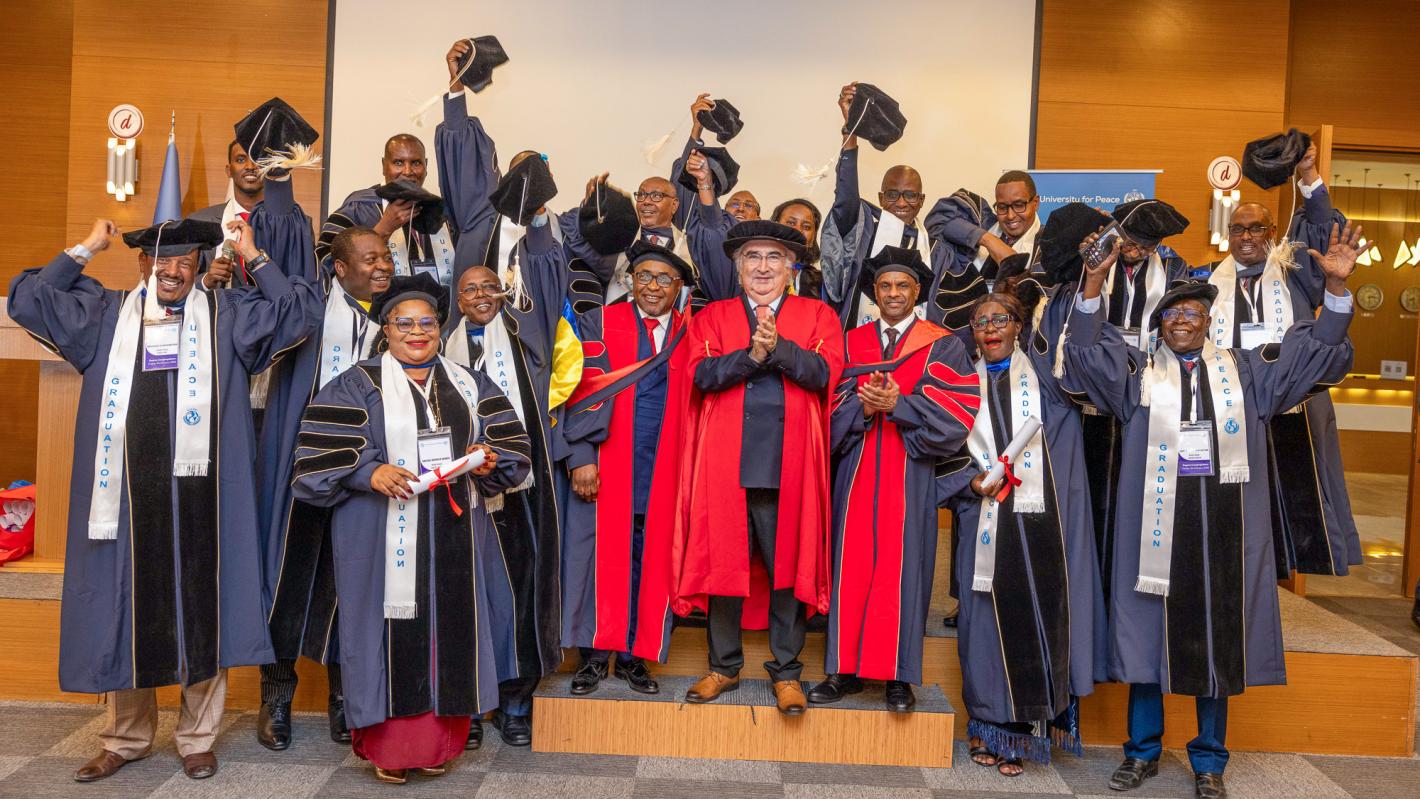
737,205
771,258
1126,243
663,280
893,195
404,324
1256,231
653,196
475,288
996,320
1019,206
1188,314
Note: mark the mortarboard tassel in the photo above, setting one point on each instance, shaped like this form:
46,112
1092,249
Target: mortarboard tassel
300,156
810,177
419,113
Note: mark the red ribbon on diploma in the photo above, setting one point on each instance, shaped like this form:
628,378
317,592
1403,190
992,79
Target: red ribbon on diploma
1010,482
441,479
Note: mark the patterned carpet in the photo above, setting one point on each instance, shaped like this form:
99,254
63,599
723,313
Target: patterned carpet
44,743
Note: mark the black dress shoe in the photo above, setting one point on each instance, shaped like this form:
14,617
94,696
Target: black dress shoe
950,620
1132,773
637,676
516,730
475,735
588,676
335,712
273,725
835,688
1209,786
1415,611
899,697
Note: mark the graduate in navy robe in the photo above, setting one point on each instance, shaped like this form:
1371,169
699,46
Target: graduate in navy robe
416,656
906,400
1031,626
1193,606
623,433
177,597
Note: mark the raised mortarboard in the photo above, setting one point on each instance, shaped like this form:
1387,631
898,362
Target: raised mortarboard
764,230
1181,290
724,170
645,251
170,239
526,188
875,116
1149,222
422,286
428,207
277,137
723,120
894,259
1269,161
475,68
607,220
1060,238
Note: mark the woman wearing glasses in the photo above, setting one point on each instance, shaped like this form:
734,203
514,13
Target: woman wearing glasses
1031,623
414,631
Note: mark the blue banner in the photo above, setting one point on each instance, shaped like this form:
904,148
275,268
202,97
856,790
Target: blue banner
1098,188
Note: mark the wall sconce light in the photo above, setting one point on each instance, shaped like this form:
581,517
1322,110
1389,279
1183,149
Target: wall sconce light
125,122
1220,211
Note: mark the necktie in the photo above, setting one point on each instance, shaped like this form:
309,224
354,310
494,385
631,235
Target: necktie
651,325
242,262
891,346
762,312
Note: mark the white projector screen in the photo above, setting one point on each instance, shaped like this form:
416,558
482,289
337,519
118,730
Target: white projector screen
592,83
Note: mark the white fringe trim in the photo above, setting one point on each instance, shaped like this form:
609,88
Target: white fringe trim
1022,505
190,468
402,610
103,531
494,503
1152,585
981,583
299,156
1235,474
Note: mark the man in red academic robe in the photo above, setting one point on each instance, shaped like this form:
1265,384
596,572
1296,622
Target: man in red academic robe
756,475
623,433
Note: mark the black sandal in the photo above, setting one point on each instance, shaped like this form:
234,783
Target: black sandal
1012,761
980,750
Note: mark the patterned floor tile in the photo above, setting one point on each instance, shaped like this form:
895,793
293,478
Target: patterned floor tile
541,786
285,781
705,789
836,774
823,791
1371,777
1090,774
685,768
1252,775
967,776
521,759
33,729
45,777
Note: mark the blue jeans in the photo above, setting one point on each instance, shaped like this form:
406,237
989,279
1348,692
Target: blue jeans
1206,753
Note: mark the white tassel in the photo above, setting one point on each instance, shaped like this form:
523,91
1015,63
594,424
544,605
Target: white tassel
1029,505
980,582
403,610
103,531
652,149
1234,474
1283,254
807,176
300,156
423,110
190,468
1146,383
523,486
1059,368
494,503
1152,585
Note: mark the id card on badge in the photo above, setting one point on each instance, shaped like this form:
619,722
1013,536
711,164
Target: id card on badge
436,448
160,344
1130,336
1254,335
441,273
1195,449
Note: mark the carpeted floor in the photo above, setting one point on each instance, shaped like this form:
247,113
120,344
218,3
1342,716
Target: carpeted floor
44,743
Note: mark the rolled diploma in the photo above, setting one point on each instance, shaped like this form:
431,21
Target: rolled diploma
449,471
1018,443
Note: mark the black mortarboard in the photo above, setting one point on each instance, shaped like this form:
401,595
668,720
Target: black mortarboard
428,207
875,117
608,220
1149,222
1013,276
645,251
422,286
273,127
894,259
171,239
476,67
1060,238
724,170
723,120
526,188
1181,290
1269,161
764,230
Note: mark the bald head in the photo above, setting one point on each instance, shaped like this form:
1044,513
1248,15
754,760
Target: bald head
1250,231
656,202
901,193
404,159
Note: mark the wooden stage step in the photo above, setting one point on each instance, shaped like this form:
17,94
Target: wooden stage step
741,725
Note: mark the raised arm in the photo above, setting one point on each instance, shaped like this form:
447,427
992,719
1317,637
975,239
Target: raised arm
281,228
1097,362
845,190
468,169
60,306
274,316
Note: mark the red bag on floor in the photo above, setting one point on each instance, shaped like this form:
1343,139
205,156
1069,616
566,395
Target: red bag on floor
18,543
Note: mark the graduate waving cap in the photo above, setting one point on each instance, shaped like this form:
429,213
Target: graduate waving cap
527,187
278,138
722,119
875,116
724,170
475,68
607,220
1269,161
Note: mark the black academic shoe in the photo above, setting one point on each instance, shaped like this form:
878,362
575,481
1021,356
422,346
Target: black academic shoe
589,675
1209,786
475,735
335,714
516,730
273,725
899,697
1415,611
1132,773
950,620
835,688
637,676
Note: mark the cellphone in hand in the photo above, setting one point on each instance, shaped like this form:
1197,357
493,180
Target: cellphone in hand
1094,254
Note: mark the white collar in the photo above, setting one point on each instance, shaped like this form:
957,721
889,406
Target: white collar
900,327
773,304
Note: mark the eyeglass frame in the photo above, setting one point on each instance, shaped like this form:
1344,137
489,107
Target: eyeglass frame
992,320
405,324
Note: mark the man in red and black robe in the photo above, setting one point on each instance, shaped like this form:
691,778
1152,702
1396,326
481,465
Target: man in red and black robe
908,397
756,472
623,431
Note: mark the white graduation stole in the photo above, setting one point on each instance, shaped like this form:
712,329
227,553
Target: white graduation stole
1155,285
1026,243
1274,306
343,338
443,252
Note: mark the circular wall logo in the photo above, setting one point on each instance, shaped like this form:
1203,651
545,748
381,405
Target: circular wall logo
1225,173
125,121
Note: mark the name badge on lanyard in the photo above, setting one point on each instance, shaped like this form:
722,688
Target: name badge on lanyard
444,273
1195,449
436,448
1254,335
1130,336
160,344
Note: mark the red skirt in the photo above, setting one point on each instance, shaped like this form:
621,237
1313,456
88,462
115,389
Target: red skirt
422,741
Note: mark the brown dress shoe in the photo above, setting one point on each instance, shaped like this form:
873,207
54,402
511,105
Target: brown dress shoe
102,766
790,697
434,771
709,687
395,776
199,766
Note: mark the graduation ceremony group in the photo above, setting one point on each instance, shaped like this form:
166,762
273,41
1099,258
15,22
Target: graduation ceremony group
445,439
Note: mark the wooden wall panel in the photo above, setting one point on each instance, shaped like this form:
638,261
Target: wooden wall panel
207,64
